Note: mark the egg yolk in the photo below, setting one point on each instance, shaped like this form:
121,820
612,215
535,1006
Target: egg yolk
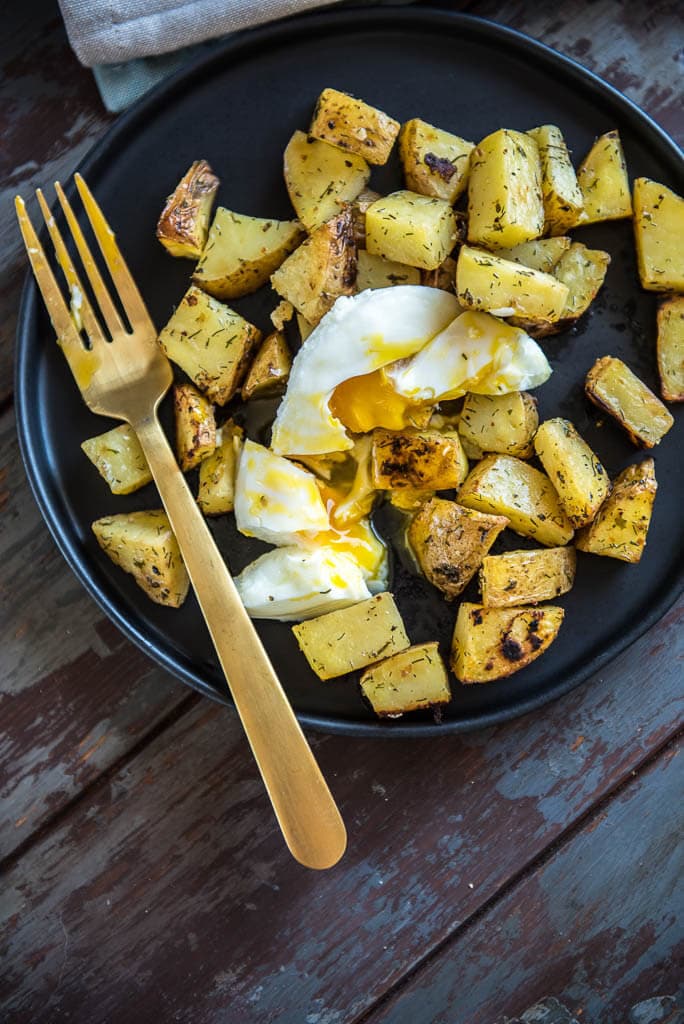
357,539
368,401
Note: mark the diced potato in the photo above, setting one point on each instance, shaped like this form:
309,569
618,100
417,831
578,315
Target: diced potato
320,270
505,201
417,230
376,272
242,252
506,486
619,530
526,577
504,424
450,541
436,163
184,222
443,277
658,232
282,314
421,459
409,499
413,679
583,270
492,643
321,178
364,199
351,638
542,254
612,386
581,482
602,178
270,369
211,343
671,348
354,126
216,492
143,544
195,426
490,284
563,201
305,328
118,457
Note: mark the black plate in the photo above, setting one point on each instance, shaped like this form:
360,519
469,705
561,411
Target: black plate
238,109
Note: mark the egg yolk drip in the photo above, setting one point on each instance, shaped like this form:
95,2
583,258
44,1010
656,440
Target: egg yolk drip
357,539
370,400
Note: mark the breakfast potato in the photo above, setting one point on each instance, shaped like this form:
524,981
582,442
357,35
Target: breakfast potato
443,276
417,230
282,314
143,544
354,126
195,426
658,232
583,271
563,200
526,577
408,681
216,491
184,222
505,200
320,179
612,386
450,541
420,459
487,283
377,272
305,328
581,482
505,486
320,270
671,348
269,370
242,252
211,343
504,424
119,459
409,499
365,198
492,643
541,254
436,163
351,638
602,178
619,530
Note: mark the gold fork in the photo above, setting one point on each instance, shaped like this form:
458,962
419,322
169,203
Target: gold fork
126,379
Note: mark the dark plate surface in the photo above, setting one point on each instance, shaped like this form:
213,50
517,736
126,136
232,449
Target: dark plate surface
238,109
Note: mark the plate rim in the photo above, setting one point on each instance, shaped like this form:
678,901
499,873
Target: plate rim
279,32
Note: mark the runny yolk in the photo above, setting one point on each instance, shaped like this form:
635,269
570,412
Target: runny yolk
369,401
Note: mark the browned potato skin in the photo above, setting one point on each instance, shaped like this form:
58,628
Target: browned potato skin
351,124
359,206
184,222
492,643
619,530
450,541
607,384
271,367
419,459
195,426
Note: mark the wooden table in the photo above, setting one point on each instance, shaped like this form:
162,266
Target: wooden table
144,879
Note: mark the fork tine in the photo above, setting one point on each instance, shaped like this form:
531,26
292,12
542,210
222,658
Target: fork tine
104,299
135,308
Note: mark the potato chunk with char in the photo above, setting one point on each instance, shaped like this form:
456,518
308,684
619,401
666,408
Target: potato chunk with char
526,577
195,426
658,233
487,283
270,369
612,386
421,459
504,424
492,643
143,544
435,162
413,679
505,201
671,349
320,178
563,200
216,491
354,126
184,222
119,459
581,482
619,530
602,178
418,230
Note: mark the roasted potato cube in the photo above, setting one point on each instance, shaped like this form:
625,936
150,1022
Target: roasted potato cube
619,530
583,270
420,459
581,482
119,458
612,386
320,179
602,178
242,252
563,201
216,492
542,254
211,343
526,577
184,222
377,272
364,199
143,544
671,349
504,424
417,230
195,426
320,270
490,284
492,643
282,314
658,232
270,369
354,126
443,277
409,499
450,541
505,201
506,486
305,328
351,638
413,679
436,163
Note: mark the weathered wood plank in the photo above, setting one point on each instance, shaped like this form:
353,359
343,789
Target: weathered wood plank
173,876
599,926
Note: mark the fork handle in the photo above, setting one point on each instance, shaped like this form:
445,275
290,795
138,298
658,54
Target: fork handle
310,821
